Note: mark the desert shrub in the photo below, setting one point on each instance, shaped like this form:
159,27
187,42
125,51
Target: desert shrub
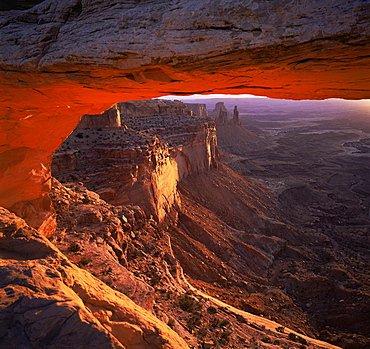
195,320
215,322
86,200
74,247
154,280
84,261
135,254
108,220
212,310
225,336
224,323
168,295
107,271
187,303
171,323
80,135
280,329
266,339
293,337
202,333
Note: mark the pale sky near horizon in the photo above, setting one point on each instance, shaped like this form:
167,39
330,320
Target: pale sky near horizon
365,102
211,96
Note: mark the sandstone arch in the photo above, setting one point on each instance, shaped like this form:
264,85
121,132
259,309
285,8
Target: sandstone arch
60,60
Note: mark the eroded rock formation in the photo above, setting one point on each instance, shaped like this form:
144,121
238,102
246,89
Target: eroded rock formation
221,119
221,115
159,143
60,60
236,120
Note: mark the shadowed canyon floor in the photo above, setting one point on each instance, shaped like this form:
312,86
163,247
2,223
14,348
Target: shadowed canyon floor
60,60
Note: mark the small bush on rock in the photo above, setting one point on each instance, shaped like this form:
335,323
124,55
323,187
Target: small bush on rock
187,303
74,247
84,261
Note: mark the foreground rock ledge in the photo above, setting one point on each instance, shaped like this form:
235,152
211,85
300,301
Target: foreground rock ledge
60,60
46,301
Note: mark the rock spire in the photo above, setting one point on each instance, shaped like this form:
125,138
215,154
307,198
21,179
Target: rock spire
235,120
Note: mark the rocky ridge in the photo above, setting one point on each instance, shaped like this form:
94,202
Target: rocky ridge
131,256
224,231
224,238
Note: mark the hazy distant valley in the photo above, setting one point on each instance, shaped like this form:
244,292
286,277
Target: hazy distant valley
315,156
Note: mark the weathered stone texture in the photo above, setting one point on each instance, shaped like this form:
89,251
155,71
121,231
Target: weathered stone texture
47,302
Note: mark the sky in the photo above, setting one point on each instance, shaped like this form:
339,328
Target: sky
209,96
363,103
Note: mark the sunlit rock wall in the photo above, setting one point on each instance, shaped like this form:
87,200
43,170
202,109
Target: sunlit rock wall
47,301
139,167
111,118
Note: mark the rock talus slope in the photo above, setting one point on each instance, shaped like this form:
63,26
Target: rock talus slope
60,60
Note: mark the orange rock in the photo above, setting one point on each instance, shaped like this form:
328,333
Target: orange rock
47,301
61,60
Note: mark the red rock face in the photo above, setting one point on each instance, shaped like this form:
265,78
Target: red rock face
60,60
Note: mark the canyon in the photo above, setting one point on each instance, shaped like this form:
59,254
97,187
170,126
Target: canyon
204,262
62,60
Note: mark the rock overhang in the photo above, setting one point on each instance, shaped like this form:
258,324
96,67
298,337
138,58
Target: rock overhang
60,60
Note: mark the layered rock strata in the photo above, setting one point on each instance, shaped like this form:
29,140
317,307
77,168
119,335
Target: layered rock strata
105,240
111,118
130,164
